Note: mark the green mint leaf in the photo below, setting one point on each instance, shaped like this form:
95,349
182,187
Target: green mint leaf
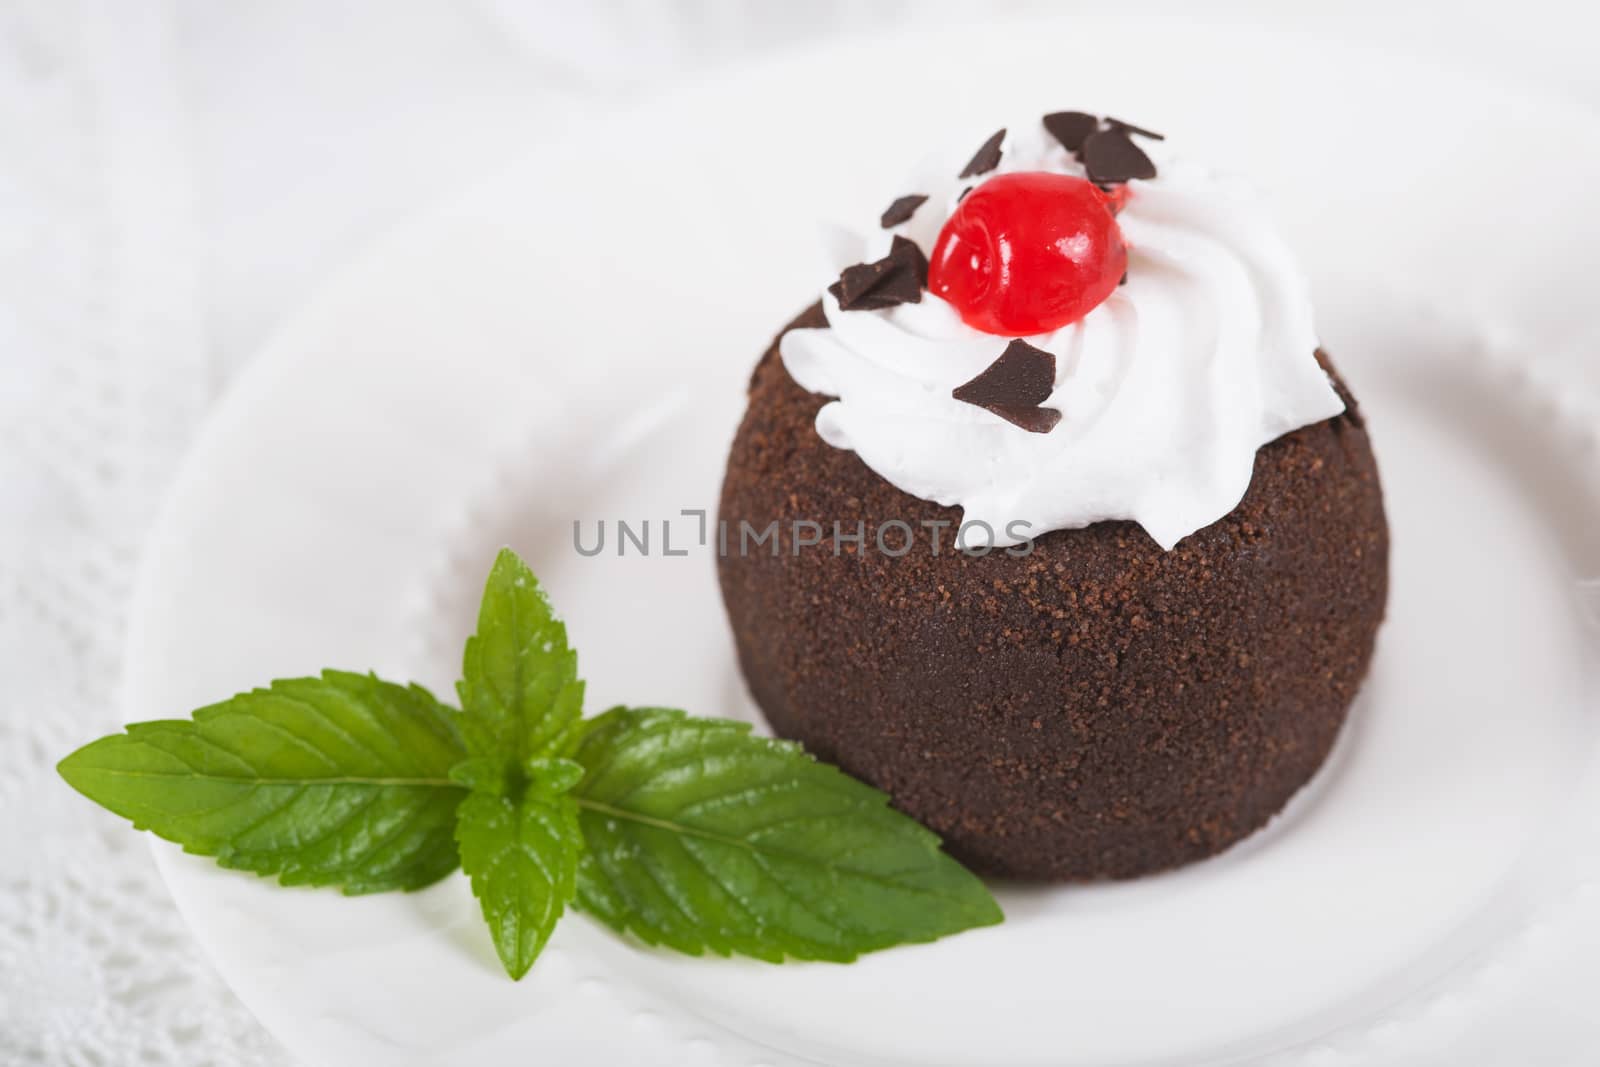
551,775
520,848
520,692
338,780
481,774
702,837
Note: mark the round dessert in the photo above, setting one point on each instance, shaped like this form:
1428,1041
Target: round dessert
1085,575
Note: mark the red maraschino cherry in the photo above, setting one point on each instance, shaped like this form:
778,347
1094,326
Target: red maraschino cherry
1028,252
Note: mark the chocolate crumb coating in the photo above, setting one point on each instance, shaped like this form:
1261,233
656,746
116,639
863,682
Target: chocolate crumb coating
1097,709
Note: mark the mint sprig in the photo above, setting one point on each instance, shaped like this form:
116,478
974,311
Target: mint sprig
683,832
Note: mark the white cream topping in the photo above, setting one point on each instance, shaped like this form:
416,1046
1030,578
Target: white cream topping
1166,390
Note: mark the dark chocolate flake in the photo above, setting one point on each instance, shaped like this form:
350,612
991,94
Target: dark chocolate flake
1034,420
1022,375
1071,127
901,210
897,278
1131,128
987,158
1110,157
1014,386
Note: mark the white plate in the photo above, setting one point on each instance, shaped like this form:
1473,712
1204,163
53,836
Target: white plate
571,340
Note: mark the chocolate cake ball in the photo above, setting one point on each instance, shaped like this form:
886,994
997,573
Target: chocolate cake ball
1094,707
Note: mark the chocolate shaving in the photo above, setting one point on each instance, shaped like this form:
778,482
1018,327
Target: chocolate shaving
1022,375
1110,156
1014,386
1128,127
1071,127
987,158
901,210
897,278
1034,420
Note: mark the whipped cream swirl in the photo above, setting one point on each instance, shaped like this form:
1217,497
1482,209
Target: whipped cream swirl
1166,390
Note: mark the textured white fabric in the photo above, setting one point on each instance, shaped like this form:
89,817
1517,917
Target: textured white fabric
101,383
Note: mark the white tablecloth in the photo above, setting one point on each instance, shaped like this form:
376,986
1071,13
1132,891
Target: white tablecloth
177,178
